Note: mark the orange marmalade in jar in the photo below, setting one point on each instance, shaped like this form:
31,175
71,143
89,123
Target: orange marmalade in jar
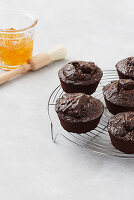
15,48
16,45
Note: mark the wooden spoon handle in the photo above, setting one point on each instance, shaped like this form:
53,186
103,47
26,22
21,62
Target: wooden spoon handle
4,77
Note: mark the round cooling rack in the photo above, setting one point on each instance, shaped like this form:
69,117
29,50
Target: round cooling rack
97,140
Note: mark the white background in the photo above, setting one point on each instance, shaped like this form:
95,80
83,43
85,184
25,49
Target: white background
32,167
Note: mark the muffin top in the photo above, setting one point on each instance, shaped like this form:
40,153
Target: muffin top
122,125
80,72
120,92
79,107
126,66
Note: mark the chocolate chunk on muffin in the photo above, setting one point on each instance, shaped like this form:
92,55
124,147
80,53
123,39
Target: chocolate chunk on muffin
121,131
79,112
80,76
119,96
125,68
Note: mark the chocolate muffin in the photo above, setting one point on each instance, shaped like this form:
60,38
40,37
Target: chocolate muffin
125,68
119,96
80,76
79,112
121,131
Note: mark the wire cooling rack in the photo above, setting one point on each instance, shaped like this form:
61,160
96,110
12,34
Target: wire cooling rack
97,140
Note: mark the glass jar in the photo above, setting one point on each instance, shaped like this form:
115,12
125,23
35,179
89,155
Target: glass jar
16,39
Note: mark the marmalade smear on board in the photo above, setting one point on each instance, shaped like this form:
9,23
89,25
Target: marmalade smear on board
15,49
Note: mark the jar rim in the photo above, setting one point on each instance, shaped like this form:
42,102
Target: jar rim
35,21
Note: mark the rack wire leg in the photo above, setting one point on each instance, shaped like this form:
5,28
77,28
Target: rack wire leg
52,134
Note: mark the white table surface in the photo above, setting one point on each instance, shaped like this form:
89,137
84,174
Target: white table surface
32,167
